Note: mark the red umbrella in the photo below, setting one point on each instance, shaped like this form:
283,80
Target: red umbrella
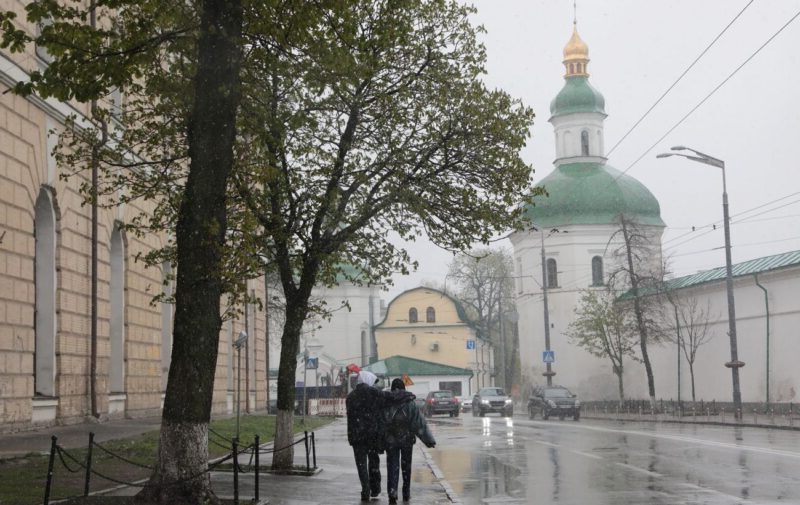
353,368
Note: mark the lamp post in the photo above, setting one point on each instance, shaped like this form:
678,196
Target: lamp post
549,373
734,364
238,344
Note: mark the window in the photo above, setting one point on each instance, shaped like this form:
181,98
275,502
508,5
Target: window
552,273
430,315
116,370
584,143
412,315
44,231
597,271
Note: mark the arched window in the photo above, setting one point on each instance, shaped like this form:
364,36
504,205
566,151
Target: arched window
597,271
412,315
585,143
552,273
116,369
571,68
44,231
166,324
430,315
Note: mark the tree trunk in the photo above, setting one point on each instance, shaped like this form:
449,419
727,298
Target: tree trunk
200,235
691,375
621,388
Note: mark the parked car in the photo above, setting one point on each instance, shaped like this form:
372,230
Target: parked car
440,402
465,403
553,400
492,400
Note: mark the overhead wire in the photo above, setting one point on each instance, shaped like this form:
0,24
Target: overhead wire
680,77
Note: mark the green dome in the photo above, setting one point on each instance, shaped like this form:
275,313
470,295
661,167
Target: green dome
592,193
577,95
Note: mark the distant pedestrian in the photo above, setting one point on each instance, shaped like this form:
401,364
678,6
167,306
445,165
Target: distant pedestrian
404,424
365,431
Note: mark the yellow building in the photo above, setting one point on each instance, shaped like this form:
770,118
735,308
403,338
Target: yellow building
429,325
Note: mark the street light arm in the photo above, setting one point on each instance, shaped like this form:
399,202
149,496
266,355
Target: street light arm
700,157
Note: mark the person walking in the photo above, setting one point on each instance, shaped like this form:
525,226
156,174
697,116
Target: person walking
404,424
365,430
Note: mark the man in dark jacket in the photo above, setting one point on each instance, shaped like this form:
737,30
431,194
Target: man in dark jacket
365,431
404,424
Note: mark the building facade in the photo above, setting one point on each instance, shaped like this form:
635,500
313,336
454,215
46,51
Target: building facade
429,325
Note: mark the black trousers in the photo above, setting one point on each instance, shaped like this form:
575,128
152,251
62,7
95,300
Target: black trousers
398,458
368,464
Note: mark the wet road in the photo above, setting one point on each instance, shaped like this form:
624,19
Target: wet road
502,460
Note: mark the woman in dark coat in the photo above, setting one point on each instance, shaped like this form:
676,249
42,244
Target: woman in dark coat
403,424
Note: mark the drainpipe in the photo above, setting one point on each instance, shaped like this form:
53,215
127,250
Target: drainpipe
766,305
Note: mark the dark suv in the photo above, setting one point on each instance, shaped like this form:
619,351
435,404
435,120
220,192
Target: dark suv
440,402
492,400
553,400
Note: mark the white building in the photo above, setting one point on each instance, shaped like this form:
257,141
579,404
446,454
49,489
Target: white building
586,199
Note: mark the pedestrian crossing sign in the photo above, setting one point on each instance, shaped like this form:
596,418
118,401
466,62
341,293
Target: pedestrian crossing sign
407,380
549,356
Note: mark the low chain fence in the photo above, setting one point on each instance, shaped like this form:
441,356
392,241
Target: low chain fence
74,464
784,415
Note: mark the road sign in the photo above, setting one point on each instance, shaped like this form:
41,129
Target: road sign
549,356
407,380
312,363
470,344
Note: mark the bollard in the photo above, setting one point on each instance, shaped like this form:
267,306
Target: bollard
314,449
50,470
258,450
236,471
88,465
305,439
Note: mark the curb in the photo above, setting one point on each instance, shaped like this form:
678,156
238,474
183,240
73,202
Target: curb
437,472
707,423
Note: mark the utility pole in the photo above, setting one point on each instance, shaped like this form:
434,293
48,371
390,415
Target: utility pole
549,373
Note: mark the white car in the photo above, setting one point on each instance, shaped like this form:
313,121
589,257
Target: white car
465,403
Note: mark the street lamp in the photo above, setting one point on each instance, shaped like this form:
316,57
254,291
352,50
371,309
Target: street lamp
734,364
549,373
238,344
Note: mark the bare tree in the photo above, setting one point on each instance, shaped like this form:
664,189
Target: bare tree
692,323
484,283
602,328
640,268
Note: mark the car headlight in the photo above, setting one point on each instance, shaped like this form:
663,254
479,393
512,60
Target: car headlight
508,400
485,402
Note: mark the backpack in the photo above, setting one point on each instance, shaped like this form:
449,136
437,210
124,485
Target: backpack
398,424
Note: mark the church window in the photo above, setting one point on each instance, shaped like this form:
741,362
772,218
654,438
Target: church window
117,316
597,271
552,273
44,230
412,315
584,143
430,315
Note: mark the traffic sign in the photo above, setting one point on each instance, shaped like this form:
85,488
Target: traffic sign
407,380
470,344
549,356
312,363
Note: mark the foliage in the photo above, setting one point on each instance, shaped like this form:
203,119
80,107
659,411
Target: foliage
603,328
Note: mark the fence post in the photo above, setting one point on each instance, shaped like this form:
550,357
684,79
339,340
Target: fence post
236,471
258,450
53,449
305,439
314,449
88,465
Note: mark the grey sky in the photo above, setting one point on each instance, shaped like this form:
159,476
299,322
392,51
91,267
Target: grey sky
637,49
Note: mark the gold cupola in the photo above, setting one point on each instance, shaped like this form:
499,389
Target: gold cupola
576,55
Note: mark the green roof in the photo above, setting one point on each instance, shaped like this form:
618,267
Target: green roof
577,95
750,267
592,193
396,366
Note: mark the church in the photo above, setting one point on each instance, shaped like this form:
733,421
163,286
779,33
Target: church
569,248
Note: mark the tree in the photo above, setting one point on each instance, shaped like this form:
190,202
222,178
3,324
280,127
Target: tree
639,266
132,47
692,329
602,328
484,283
377,122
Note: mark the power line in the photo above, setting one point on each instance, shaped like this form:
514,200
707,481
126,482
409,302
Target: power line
699,104
680,77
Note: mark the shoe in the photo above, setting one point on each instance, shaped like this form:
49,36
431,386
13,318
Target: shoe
392,499
375,494
406,496
364,496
